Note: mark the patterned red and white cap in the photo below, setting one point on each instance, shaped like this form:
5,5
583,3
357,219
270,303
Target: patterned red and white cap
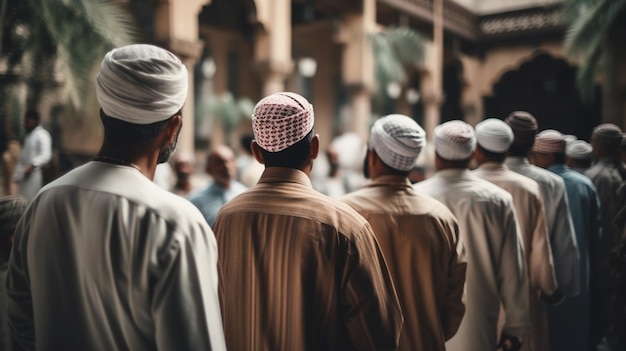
280,120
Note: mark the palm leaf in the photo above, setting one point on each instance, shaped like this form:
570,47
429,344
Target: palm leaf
591,24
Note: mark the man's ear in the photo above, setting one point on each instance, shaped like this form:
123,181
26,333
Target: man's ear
173,127
315,147
256,152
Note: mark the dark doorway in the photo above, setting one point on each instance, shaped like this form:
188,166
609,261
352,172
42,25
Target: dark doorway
545,87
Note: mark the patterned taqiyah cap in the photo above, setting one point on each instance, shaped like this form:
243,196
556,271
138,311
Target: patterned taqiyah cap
550,141
281,120
579,149
607,131
141,84
397,140
454,140
494,135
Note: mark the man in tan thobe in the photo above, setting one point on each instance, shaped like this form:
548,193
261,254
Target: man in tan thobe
299,270
418,235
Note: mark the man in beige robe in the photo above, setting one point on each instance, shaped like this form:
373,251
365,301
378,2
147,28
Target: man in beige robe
105,259
418,235
493,244
299,270
494,137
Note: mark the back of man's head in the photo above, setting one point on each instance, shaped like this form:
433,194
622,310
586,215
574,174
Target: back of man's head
11,209
606,139
139,87
494,138
283,128
524,127
398,141
455,142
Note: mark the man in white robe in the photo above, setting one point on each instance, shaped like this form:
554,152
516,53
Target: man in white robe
494,138
103,258
560,225
36,152
489,231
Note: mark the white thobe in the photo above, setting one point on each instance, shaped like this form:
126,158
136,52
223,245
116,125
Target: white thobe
560,225
104,259
37,151
531,219
495,263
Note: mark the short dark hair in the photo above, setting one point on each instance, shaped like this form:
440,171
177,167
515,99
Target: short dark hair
559,157
122,131
492,156
521,148
32,114
292,157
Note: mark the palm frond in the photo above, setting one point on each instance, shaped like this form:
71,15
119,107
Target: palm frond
82,37
592,23
585,76
395,49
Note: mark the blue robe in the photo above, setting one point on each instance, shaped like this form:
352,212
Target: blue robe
569,321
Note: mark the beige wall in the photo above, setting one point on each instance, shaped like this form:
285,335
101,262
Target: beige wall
484,7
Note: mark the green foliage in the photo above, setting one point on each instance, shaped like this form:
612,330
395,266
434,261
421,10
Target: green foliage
594,30
396,50
228,110
40,37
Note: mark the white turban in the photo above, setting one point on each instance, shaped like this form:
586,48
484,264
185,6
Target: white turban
280,120
397,140
549,141
579,149
454,140
494,135
141,84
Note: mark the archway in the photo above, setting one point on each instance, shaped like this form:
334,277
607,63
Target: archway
546,87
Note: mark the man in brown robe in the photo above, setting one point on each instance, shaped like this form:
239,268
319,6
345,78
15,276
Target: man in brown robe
299,270
418,235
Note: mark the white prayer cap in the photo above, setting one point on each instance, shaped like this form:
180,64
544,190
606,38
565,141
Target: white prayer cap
281,120
141,84
397,140
494,135
549,141
579,149
454,140
569,138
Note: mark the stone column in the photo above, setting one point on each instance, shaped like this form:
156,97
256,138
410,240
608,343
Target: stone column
176,29
358,65
272,51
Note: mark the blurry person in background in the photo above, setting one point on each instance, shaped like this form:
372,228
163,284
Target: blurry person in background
418,235
554,195
11,209
184,167
578,155
607,175
222,167
103,258
569,321
249,170
36,152
494,138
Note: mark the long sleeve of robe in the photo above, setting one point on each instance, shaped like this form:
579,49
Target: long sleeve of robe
560,226
495,263
530,215
301,271
420,240
104,259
